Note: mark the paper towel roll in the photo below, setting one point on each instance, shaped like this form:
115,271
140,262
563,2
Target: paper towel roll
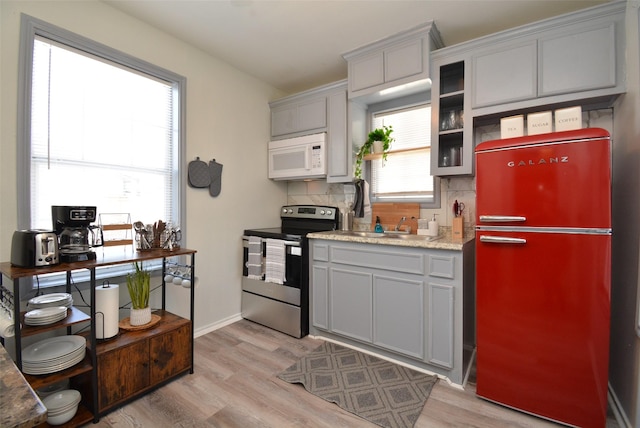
107,302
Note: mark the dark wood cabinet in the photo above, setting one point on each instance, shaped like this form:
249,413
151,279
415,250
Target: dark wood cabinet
141,360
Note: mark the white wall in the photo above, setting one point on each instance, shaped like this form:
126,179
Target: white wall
227,119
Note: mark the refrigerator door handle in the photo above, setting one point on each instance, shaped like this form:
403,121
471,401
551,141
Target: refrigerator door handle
501,218
502,240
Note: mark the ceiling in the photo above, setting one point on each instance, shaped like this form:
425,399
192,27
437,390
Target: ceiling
295,45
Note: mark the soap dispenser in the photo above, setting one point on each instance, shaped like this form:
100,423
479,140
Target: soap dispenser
378,228
433,227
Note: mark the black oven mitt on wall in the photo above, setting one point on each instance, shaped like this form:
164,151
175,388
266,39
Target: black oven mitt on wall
215,172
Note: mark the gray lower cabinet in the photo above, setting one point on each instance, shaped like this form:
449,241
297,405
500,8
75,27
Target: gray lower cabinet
402,302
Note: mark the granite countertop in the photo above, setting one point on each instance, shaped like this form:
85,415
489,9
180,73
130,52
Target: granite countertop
443,242
20,406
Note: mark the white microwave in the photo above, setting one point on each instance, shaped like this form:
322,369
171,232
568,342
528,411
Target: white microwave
298,158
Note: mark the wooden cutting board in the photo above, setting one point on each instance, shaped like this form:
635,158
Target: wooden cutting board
391,213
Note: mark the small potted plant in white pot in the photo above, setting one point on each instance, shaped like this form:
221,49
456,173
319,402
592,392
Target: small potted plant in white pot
378,141
138,284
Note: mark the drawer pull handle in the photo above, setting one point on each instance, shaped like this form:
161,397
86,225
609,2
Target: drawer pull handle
502,240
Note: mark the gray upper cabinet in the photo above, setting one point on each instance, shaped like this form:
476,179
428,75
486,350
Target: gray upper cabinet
302,115
505,74
571,57
589,51
322,109
396,60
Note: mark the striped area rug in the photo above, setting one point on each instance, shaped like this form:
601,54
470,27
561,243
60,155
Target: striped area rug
377,390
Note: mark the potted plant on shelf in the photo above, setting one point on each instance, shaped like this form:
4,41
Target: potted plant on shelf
138,284
378,141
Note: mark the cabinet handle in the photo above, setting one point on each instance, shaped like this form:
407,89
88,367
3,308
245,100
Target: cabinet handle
501,218
502,240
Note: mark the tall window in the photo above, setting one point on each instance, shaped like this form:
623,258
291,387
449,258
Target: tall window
96,127
101,128
406,174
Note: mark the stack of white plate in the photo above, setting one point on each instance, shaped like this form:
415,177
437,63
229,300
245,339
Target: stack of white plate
61,406
45,316
53,299
53,354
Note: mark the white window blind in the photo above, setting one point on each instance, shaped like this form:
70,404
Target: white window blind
405,175
101,134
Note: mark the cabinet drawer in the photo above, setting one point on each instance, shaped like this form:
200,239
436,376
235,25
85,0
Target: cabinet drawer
320,252
441,266
406,262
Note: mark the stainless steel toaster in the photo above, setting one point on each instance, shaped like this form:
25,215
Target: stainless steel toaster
34,248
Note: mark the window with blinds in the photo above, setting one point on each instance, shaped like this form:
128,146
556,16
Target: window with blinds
101,134
405,175
96,127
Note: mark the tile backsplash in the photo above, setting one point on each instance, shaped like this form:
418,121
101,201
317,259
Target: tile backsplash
462,189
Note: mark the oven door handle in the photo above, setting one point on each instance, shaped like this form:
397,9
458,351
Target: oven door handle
287,243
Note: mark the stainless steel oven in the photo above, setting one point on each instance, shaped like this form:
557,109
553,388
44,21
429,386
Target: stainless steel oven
275,269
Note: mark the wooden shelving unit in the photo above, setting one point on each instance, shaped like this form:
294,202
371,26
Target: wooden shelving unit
171,339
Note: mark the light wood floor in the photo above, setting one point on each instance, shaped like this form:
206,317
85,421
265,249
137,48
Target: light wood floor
235,386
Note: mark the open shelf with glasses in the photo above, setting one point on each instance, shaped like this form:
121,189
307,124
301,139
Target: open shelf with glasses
450,139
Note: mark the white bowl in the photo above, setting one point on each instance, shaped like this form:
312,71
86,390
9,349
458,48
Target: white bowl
62,418
61,406
62,399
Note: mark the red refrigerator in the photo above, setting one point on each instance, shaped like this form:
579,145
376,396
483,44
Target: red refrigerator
543,248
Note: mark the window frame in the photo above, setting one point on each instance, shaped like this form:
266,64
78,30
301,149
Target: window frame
397,104
31,27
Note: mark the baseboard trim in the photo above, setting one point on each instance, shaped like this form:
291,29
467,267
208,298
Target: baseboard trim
616,408
219,324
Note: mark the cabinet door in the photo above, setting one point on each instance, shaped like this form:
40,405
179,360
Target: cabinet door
403,60
283,120
398,314
122,373
505,74
351,303
366,71
339,150
312,114
320,296
580,61
170,354
441,325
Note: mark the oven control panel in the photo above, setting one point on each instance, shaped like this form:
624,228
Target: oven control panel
309,212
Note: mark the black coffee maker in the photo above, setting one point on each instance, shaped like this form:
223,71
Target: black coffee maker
76,235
